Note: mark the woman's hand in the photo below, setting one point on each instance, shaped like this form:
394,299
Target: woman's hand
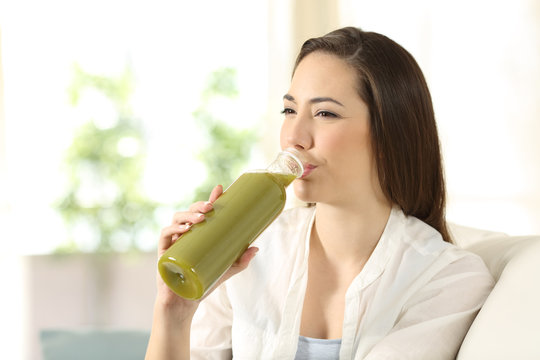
181,223
171,326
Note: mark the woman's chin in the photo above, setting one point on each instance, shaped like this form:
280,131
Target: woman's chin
303,192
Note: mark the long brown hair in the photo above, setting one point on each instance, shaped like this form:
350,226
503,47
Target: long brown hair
403,128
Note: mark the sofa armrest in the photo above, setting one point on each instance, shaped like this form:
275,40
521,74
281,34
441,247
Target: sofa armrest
508,325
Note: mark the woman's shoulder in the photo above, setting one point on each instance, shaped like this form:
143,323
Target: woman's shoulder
415,236
428,241
417,233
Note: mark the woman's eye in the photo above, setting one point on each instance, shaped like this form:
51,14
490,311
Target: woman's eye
326,114
287,111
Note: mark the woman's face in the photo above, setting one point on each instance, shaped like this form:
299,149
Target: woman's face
328,122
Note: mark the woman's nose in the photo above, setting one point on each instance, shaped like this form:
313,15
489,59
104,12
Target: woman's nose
297,132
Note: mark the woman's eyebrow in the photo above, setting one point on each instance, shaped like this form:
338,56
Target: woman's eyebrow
314,100
324,99
288,97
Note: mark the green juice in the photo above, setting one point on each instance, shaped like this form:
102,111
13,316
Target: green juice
200,257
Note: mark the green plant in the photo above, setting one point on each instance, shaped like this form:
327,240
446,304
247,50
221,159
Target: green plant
227,149
105,164
104,167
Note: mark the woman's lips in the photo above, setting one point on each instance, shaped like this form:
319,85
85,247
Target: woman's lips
308,169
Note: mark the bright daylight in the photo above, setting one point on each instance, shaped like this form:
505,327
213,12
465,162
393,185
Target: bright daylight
115,115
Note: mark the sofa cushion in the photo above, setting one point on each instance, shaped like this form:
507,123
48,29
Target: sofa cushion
93,344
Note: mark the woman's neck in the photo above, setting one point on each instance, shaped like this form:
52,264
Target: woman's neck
346,235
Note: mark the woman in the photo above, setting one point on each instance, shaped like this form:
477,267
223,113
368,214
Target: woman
369,271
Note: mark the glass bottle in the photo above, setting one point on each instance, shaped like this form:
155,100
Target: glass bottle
192,265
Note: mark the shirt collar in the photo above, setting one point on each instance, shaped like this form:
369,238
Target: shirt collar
380,256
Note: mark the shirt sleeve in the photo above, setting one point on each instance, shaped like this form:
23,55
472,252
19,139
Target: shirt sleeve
211,328
435,320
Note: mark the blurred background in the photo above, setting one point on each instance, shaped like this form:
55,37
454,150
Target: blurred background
114,114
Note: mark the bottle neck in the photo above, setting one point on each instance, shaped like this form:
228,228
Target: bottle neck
288,162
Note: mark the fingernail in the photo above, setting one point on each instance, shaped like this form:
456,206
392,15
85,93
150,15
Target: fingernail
185,226
208,203
200,215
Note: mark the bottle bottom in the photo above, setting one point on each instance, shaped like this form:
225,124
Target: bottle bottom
180,279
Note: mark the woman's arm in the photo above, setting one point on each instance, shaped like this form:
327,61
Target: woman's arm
173,315
170,335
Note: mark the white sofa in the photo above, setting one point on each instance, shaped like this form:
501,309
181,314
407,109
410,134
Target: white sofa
508,325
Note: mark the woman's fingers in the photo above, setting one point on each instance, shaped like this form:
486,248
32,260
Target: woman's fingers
216,192
187,217
206,206
242,262
201,207
193,215
170,234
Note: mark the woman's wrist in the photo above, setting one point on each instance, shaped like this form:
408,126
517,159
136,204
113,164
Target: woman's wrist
171,328
175,311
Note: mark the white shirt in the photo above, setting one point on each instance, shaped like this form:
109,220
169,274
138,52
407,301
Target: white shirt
415,297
